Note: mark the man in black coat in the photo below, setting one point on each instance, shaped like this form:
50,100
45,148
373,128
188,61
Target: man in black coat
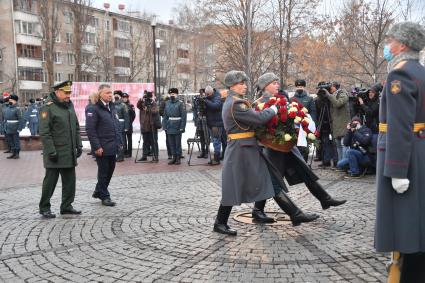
128,136
103,131
370,107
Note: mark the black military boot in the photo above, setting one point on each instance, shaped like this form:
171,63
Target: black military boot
296,214
173,161
178,162
258,213
325,199
11,156
16,155
215,160
220,225
7,151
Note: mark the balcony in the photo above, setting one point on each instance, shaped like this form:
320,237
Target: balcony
25,17
184,46
88,48
184,61
28,39
122,53
30,62
122,71
88,69
30,85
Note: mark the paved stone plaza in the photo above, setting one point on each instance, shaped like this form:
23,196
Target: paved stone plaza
161,230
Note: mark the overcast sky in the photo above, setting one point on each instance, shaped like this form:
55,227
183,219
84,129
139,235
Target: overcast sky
161,8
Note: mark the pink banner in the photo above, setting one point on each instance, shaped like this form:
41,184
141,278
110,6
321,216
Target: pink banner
82,90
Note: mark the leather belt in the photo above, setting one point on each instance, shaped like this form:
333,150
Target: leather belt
383,127
174,118
33,115
121,120
240,136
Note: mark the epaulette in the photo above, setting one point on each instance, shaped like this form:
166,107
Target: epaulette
400,65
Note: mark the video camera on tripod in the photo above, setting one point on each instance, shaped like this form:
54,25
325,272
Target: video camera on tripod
322,87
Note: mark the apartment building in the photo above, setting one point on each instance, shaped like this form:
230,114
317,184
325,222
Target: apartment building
115,47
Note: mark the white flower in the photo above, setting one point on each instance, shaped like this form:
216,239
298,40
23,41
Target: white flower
304,110
260,106
294,104
293,109
311,136
297,120
287,137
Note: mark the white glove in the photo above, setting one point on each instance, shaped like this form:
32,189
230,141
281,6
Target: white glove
400,185
274,108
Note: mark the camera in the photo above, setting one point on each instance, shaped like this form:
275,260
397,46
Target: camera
357,146
321,87
148,99
353,125
199,103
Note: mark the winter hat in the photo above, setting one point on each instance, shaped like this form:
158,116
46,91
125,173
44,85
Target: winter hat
265,80
409,33
173,90
209,90
376,88
13,97
234,77
356,118
300,82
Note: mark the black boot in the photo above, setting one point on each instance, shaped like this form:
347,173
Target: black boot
202,155
216,160
325,199
11,156
258,213
296,215
16,155
173,161
178,160
220,225
222,153
7,151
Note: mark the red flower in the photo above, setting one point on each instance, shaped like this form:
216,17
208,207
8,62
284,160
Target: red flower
284,116
292,115
304,123
317,134
301,114
271,131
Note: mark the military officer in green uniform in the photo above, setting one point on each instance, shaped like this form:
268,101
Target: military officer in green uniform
60,135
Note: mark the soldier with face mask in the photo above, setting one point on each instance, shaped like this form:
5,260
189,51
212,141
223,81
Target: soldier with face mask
13,124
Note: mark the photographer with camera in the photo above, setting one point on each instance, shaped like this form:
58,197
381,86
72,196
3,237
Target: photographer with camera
357,158
150,122
369,105
213,106
198,113
339,113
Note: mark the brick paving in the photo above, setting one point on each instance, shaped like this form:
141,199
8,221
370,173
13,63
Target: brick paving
161,230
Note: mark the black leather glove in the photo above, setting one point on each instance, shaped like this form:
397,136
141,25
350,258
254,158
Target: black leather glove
79,151
53,157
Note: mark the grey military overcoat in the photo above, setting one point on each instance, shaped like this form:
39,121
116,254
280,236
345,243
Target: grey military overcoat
400,218
245,177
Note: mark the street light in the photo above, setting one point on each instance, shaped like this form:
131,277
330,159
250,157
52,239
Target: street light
158,46
153,25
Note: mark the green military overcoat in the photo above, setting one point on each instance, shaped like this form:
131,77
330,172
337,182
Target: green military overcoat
60,133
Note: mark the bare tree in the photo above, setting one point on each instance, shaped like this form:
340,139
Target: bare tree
50,28
141,55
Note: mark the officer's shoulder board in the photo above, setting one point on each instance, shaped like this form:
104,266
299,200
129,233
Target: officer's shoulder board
240,103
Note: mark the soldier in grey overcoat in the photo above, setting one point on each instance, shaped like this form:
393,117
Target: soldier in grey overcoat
245,177
290,165
400,210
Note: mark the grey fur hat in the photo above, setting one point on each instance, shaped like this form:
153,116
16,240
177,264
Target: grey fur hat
233,77
266,79
209,89
409,33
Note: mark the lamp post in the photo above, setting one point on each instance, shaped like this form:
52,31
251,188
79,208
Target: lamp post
153,25
158,45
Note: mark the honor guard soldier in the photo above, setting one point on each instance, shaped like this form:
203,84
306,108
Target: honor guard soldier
400,178
60,135
31,116
123,118
13,124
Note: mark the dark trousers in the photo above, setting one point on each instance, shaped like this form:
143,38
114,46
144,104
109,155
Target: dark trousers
304,150
150,143
49,185
105,170
412,270
175,144
128,143
120,154
201,135
14,142
33,128
329,150
167,142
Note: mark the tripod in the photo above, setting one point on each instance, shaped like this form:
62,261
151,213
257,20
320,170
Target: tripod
203,122
154,133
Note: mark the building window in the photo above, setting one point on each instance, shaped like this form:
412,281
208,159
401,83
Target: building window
90,38
85,59
121,62
30,74
71,77
121,43
93,21
85,77
162,33
26,27
43,55
107,25
68,17
26,5
181,53
58,77
28,51
97,78
57,58
122,26
58,38
68,38
71,59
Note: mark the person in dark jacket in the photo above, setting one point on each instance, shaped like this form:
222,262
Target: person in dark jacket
307,101
103,131
14,123
60,135
128,136
370,107
174,123
123,118
150,122
31,117
358,138
161,113
215,125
